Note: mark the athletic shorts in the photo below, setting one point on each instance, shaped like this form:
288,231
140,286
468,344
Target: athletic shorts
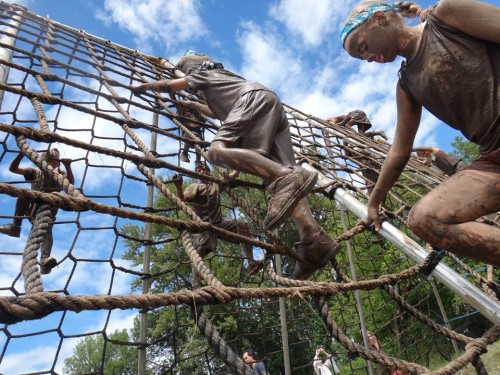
195,131
258,122
487,163
33,207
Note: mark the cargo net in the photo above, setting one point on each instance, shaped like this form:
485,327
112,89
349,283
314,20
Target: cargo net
117,292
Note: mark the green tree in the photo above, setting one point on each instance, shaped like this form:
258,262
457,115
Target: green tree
465,149
177,345
177,342
95,355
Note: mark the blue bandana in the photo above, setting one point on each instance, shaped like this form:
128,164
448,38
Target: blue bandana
358,19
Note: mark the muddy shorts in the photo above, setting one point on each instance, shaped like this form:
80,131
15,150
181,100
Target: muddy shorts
206,242
487,163
258,122
196,131
33,207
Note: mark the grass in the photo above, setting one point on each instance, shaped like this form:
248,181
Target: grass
491,361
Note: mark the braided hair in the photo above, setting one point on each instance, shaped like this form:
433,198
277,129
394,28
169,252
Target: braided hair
407,9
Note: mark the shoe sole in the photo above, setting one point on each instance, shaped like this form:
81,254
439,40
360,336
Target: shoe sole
292,203
11,232
47,267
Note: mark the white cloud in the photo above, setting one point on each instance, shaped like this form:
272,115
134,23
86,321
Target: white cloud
20,2
323,81
40,357
266,59
155,20
10,266
324,89
312,20
29,361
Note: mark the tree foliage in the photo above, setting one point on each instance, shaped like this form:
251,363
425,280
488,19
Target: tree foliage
466,150
177,346
95,355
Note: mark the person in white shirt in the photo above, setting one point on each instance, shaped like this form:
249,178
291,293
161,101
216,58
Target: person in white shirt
328,367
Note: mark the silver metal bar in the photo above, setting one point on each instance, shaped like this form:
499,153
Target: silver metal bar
461,286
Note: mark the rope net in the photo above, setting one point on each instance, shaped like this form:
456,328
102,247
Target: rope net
122,280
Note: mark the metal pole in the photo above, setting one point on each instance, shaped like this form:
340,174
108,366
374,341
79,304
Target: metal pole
284,326
462,287
443,313
354,276
146,262
356,292
5,52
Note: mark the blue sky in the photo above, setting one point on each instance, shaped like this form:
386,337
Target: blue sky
292,46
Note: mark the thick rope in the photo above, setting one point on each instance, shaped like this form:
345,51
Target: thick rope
473,350
217,343
14,309
82,203
29,267
479,366
200,266
371,355
216,292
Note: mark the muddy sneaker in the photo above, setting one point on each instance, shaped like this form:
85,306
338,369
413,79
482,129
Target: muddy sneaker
12,230
285,193
184,157
315,254
47,264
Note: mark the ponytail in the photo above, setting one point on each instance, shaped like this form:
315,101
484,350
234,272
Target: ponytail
409,9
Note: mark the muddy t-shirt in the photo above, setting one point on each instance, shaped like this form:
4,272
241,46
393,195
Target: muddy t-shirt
205,201
221,88
41,181
449,163
456,78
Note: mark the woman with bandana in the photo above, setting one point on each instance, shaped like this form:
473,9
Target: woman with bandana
452,68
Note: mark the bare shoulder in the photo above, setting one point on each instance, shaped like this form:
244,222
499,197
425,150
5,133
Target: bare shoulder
476,18
450,10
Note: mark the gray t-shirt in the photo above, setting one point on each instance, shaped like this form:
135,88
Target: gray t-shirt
205,201
260,369
456,77
220,87
449,163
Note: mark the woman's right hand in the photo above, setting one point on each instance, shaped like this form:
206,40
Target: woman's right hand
372,217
